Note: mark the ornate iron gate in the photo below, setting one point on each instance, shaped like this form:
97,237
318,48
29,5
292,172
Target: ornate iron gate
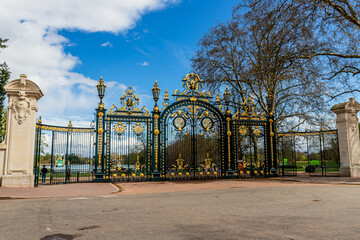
251,140
67,153
191,144
128,140
308,153
194,136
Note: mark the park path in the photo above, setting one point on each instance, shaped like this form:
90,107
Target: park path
98,189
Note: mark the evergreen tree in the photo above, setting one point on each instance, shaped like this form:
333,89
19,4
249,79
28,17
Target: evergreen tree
4,77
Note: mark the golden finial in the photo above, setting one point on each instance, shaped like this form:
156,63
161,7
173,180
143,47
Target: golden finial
166,97
70,124
100,77
40,121
217,97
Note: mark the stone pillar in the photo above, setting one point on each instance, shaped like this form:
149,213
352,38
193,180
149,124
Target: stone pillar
23,95
348,135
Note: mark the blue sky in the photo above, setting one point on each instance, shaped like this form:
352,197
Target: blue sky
154,40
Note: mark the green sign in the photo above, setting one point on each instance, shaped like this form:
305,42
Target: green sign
315,162
285,161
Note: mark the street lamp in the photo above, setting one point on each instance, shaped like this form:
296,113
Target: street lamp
156,92
101,89
227,96
269,101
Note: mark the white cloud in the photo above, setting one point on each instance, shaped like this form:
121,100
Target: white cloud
37,49
106,44
144,64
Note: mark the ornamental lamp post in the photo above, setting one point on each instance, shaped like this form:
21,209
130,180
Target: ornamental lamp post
270,101
156,92
101,89
227,96
156,175
100,169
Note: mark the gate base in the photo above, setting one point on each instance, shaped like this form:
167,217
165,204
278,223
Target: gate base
99,177
17,181
155,177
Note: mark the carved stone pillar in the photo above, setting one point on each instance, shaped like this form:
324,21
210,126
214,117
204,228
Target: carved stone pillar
23,95
348,135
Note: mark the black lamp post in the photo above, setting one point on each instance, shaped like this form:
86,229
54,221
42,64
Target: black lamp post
270,101
227,96
156,92
101,89
100,123
156,176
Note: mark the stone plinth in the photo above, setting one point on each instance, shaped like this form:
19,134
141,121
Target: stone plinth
348,135
19,145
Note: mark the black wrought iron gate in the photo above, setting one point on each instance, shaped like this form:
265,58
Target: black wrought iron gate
194,136
191,144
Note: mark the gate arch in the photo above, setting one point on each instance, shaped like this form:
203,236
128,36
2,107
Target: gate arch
191,143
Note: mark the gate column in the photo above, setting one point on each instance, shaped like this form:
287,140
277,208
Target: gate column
348,135
229,137
19,143
155,165
100,125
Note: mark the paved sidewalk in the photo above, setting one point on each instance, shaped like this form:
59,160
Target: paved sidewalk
320,180
97,189
60,190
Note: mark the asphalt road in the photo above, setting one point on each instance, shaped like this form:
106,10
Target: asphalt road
292,212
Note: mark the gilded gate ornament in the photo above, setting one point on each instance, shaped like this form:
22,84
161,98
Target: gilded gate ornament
138,129
179,123
129,105
248,110
243,130
207,161
137,164
207,124
180,162
120,129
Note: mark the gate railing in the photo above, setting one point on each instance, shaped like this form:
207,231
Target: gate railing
66,152
314,153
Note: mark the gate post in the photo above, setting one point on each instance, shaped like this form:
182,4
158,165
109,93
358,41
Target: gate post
155,173
100,124
348,135
229,138
273,157
19,143
229,146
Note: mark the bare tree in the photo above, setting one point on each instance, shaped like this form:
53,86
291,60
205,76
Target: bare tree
302,52
340,21
261,51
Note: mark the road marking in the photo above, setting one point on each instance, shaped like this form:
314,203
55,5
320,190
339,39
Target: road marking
78,198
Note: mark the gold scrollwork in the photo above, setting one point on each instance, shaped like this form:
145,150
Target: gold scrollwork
137,164
207,161
179,123
138,129
180,162
120,128
243,130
